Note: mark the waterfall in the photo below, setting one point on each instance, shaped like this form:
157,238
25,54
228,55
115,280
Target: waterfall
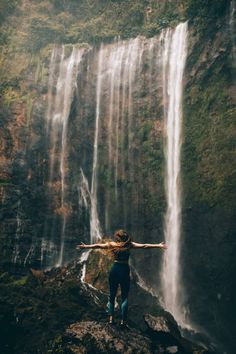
29,254
174,57
84,193
83,259
62,83
117,70
19,233
122,89
95,232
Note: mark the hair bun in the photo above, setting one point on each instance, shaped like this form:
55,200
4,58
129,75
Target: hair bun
122,236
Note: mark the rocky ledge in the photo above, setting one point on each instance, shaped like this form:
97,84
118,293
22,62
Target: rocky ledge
100,338
55,312
87,337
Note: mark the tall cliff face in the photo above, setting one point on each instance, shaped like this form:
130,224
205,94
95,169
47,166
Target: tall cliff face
123,186
209,177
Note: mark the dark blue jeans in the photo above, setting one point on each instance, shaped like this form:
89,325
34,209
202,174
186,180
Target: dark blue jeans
119,275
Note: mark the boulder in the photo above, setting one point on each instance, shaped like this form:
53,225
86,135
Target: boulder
164,330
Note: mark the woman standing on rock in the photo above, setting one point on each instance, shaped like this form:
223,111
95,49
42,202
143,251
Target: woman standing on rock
120,271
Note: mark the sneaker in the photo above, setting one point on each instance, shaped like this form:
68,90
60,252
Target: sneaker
111,320
123,325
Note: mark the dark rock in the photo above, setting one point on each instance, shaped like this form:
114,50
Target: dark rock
164,330
95,337
45,305
173,349
38,274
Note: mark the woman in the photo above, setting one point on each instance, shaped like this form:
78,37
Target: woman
120,272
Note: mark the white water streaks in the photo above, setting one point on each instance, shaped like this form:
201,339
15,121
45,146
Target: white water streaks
116,71
88,200
29,254
123,87
143,285
62,84
83,259
118,80
95,233
84,193
118,65
48,249
19,233
174,57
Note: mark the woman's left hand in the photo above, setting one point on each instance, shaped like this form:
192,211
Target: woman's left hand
163,245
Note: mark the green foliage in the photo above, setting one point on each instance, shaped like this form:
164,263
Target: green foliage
92,21
41,32
207,9
4,34
4,182
21,282
6,8
29,107
209,148
9,96
206,12
56,346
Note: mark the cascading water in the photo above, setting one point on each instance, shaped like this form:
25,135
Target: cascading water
18,235
117,67
62,83
95,233
122,89
117,70
84,193
175,52
125,86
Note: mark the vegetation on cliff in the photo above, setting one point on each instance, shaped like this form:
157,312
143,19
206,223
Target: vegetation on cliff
29,29
209,170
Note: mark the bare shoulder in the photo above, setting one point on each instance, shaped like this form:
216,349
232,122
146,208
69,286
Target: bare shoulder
112,244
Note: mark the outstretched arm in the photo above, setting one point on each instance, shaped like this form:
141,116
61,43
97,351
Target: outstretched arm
137,245
95,245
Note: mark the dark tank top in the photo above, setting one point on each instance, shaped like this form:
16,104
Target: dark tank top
121,256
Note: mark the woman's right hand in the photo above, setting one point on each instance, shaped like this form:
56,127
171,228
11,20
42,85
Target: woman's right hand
81,246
